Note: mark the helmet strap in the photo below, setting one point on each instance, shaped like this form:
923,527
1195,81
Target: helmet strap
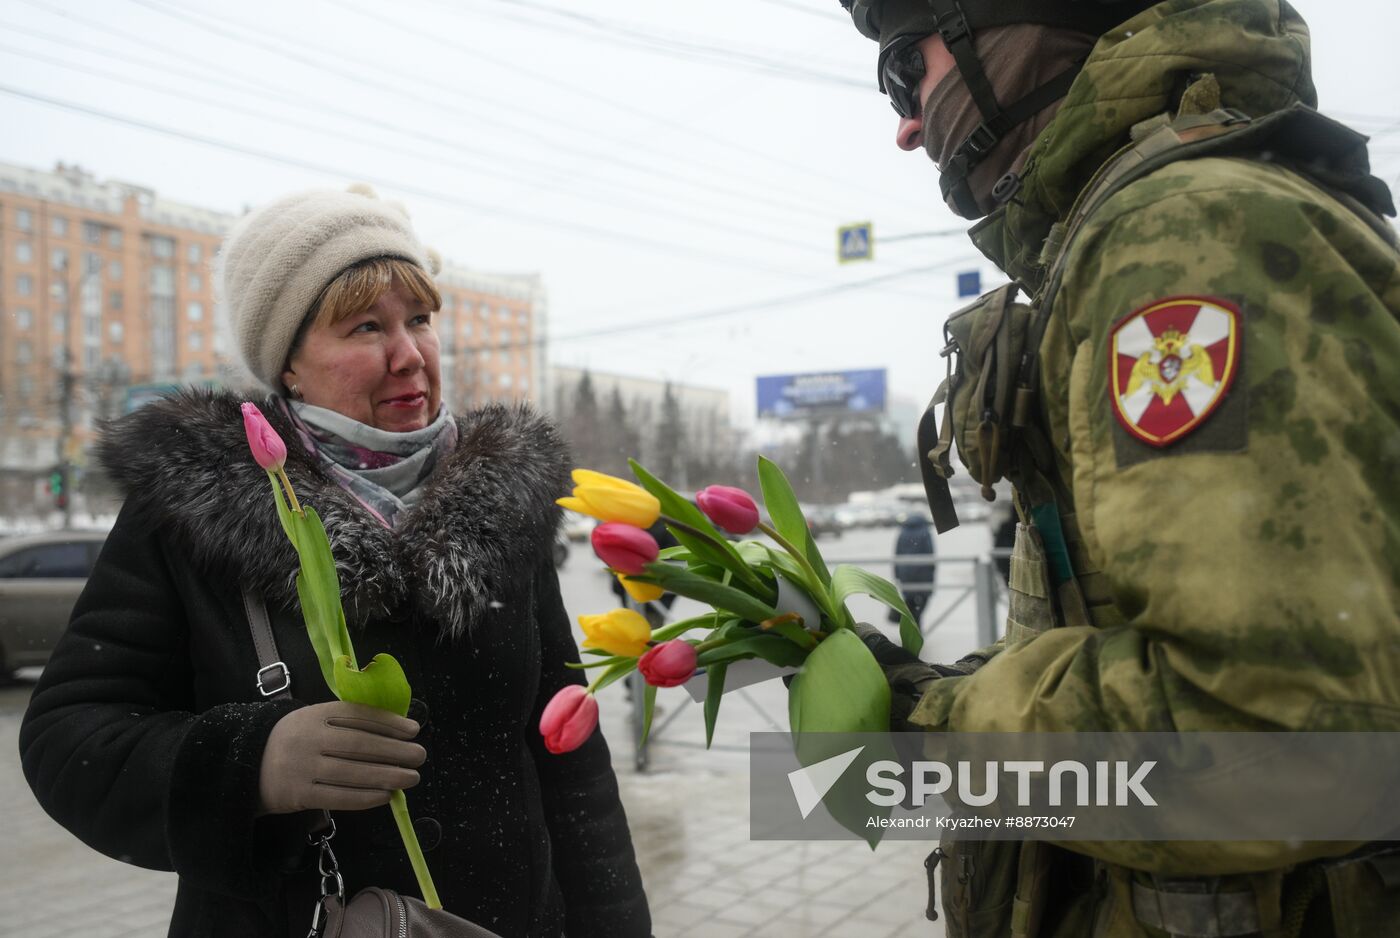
953,178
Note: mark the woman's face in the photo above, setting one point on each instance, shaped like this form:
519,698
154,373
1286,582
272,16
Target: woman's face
379,367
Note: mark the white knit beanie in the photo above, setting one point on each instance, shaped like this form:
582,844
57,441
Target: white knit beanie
276,261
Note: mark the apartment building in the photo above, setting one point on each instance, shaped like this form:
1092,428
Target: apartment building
107,299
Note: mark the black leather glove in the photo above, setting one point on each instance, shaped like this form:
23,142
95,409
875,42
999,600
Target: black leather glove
907,673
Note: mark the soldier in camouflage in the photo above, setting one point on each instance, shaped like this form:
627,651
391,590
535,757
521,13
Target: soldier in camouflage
1206,469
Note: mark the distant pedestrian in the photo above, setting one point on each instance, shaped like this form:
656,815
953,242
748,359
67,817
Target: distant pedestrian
915,578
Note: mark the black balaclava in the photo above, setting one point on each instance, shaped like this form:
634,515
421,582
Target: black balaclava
1017,60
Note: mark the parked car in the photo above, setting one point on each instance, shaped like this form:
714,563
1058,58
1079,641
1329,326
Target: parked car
41,576
821,521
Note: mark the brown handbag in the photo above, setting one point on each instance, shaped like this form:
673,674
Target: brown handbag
375,912
372,912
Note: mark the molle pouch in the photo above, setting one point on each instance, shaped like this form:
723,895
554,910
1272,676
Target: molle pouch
1365,893
979,880
986,343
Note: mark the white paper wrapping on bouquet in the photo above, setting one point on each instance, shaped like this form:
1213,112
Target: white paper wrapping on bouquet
791,598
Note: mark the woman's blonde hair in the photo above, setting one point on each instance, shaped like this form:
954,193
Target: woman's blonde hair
359,287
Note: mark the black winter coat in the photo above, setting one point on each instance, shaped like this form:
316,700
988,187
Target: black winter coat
145,734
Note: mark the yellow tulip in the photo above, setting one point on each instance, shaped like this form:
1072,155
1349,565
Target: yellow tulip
640,592
608,498
620,632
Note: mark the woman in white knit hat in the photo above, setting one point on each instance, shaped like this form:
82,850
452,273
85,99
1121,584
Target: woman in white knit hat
154,737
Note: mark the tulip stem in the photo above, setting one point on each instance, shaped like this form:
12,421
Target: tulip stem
813,580
742,570
399,805
291,495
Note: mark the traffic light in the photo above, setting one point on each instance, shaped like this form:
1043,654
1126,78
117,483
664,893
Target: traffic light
58,486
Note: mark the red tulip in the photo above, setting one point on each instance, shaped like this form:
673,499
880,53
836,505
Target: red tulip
568,719
668,664
268,448
730,508
623,547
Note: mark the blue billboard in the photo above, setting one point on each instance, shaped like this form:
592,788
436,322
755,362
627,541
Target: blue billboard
822,393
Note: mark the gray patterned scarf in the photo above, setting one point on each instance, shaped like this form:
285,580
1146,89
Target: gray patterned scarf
384,471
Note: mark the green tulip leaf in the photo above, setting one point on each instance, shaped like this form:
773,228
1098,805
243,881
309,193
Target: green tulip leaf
848,581
284,513
771,648
381,684
648,709
841,689
691,585
714,690
615,673
788,520
675,553
676,629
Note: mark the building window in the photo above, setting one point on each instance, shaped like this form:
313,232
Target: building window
24,219
58,224
92,232
24,352
26,388
114,270
60,323
196,341
91,357
194,253
506,381
92,265
195,282
24,252
466,329
163,281
114,331
58,259
114,238
24,318
24,285
114,300
194,312
162,247
59,291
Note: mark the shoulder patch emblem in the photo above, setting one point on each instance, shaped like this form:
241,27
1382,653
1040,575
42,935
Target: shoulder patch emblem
1171,363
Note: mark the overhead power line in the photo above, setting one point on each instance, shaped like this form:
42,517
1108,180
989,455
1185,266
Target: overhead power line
298,52
650,243
716,312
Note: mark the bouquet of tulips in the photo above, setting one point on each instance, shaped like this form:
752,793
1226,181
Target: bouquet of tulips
382,682
772,599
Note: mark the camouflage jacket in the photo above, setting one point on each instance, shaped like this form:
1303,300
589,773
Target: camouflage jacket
1251,562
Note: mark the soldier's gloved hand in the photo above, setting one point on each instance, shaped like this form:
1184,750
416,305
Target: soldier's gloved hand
337,756
907,674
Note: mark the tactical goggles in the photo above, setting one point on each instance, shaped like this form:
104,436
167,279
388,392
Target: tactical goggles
901,70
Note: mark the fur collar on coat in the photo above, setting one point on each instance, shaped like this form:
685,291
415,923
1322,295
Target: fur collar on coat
486,517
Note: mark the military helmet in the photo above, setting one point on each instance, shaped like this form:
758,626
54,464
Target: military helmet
898,24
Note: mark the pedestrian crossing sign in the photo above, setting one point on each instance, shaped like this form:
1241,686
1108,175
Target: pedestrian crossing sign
855,242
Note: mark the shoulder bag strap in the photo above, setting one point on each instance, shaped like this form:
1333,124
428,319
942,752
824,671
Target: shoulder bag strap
274,678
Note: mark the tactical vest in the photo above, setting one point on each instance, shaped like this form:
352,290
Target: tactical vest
992,418
992,349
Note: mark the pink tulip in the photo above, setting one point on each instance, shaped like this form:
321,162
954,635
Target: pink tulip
730,508
668,664
623,547
268,448
568,719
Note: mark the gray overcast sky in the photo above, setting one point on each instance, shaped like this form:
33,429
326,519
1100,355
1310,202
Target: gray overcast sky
647,159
